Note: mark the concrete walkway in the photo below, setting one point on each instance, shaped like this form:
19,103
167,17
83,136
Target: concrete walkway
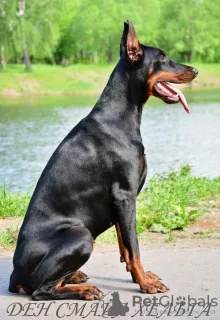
193,276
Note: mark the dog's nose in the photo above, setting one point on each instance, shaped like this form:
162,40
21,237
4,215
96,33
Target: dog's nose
195,71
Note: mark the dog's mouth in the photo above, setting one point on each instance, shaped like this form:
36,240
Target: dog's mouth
169,94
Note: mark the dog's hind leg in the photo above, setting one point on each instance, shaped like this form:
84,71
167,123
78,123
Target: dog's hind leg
71,249
78,277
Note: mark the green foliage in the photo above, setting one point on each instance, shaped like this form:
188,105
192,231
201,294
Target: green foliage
198,28
162,206
12,204
39,26
7,10
97,28
90,31
34,23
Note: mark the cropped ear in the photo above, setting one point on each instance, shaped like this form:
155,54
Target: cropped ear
130,46
123,46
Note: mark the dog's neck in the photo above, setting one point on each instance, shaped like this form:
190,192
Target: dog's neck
123,96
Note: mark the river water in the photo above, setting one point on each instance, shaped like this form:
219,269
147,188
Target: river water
31,129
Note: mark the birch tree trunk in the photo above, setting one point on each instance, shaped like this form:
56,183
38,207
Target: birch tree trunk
3,59
20,15
27,60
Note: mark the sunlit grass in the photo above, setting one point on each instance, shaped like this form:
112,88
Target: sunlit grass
13,204
8,237
171,201
76,79
162,206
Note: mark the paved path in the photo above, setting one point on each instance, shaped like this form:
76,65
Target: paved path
192,274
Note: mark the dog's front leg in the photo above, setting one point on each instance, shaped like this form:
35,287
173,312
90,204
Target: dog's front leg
124,255
129,248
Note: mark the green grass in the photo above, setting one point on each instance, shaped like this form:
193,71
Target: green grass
13,204
77,79
54,80
162,207
109,236
8,237
170,238
205,234
208,69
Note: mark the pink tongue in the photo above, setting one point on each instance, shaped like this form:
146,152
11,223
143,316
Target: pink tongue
174,93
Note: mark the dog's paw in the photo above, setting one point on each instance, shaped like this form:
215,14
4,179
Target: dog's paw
153,286
91,293
78,277
151,276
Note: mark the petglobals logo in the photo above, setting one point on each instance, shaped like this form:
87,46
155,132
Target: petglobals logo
145,306
159,306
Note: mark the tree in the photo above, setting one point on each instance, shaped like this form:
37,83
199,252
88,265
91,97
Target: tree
90,31
188,27
97,26
36,31
7,9
66,44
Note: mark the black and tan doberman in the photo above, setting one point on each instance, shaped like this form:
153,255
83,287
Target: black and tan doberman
92,180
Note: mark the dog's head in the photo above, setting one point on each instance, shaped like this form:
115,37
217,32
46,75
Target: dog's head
155,68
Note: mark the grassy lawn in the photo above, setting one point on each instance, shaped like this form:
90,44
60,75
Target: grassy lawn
78,79
13,204
171,201
174,200
52,80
